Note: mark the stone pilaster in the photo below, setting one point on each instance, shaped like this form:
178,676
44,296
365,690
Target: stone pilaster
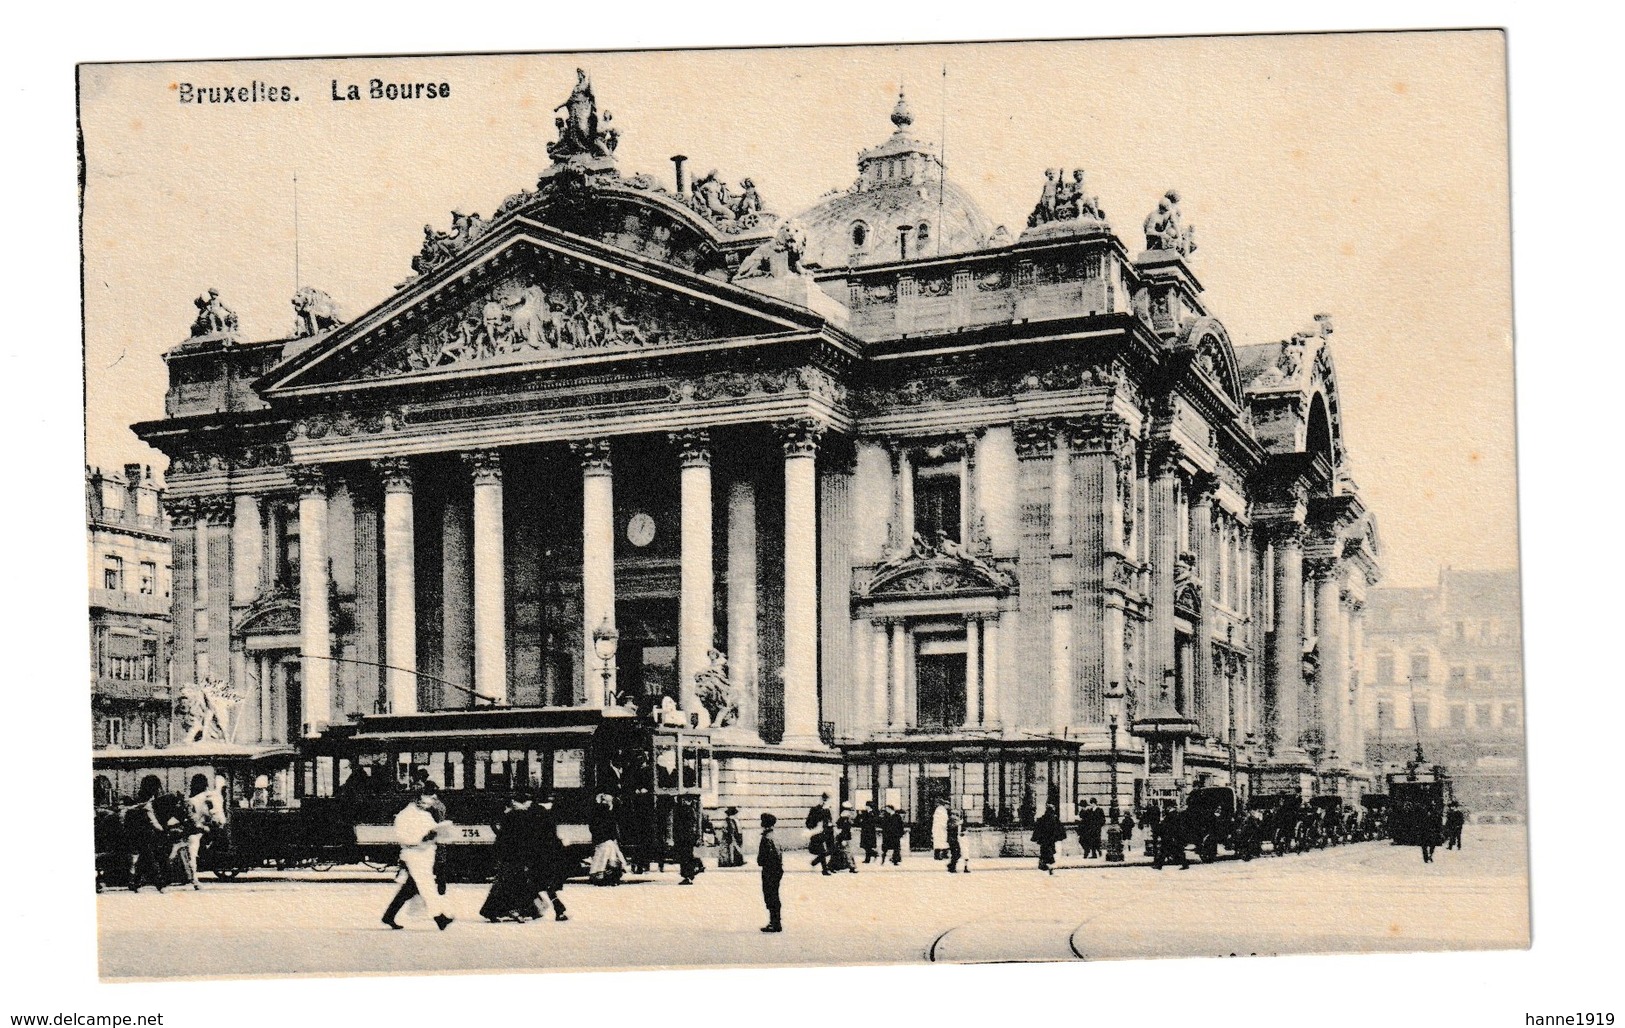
1094,443
837,687
1333,675
247,548
973,670
183,516
1204,707
456,606
368,629
490,574
1161,652
597,559
215,514
400,586
696,625
800,438
315,632
991,684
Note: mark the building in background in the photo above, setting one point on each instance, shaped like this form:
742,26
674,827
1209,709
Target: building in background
130,583
904,503
1446,677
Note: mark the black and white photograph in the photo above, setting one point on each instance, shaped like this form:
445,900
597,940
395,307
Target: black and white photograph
802,506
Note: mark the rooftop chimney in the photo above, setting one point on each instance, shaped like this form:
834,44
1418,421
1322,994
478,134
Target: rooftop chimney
677,161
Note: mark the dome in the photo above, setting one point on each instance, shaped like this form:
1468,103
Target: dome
899,207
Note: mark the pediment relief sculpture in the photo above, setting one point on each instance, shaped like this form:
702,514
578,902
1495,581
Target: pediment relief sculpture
945,567
527,317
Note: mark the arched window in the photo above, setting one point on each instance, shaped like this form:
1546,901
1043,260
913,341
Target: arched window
860,235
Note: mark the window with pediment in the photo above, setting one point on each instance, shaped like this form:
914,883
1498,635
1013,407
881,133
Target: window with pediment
939,500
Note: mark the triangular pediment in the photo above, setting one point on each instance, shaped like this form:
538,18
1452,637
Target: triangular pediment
531,295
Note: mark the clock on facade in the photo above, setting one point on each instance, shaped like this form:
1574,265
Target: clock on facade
640,531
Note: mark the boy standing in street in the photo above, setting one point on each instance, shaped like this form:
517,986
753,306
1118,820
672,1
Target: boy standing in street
771,861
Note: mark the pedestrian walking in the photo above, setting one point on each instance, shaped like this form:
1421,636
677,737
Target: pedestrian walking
420,779
608,862
548,862
771,861
841,855
957,860
1127,825
417,831
1047,831
1454,820
891,835
175,817
1091,824
685,834
869,831
195,826
512,896
939,832
731,846
821,833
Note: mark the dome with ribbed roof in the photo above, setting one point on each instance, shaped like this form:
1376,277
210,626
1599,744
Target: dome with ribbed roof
901,206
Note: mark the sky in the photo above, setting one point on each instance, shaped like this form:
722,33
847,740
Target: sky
1360,175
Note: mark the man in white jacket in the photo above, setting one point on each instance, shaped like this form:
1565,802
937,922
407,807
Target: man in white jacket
416,830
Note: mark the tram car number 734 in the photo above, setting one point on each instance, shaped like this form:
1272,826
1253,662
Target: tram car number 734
609,766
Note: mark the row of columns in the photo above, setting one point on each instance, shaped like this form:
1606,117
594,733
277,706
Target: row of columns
889,680
696,619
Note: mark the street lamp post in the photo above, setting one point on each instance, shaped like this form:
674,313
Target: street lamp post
1114,827
605,640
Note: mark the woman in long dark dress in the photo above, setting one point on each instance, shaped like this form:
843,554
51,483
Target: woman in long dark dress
731,847
1047,831
608,862
549,862
512,896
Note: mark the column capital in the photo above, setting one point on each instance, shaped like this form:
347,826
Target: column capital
215,509
395,473
1322,569
1203,484
183,512
1163,457
485,466
1281,533
693,447
800,436
309,479
593,455
1035,437
1097,433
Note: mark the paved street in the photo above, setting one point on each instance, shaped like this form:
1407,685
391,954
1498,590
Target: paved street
1370,896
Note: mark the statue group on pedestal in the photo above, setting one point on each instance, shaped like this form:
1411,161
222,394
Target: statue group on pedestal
205,710
314,312
1063,200
213,317
583,132
1165,227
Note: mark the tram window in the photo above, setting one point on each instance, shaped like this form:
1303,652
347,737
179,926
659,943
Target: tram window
691,767
454,770
437,769
538,760
567,768
665,764
324,776
403,769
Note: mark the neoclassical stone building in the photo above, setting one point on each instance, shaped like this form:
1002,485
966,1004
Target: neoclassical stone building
949,499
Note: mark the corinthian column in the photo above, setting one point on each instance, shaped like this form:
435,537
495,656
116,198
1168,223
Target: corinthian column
696,624
400,586
315,633
1288,641
1333,661
742,599
800,438
1204,705
490,590
597,556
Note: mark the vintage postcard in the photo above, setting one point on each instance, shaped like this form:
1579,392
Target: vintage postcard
803,506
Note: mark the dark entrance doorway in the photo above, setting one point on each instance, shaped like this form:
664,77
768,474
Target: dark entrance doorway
940,690
647,658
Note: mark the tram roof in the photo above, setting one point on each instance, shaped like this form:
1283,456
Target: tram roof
487,722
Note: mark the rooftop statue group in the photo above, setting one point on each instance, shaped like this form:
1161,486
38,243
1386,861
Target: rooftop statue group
1063,200
1165,227
314,312
213,317
583,132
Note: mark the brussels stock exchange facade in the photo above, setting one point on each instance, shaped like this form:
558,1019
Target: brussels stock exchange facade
905,505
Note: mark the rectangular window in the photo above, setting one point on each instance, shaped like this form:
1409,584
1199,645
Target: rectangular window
149,578
113,573
1484,673
1458,716
114,731
1481,715
1421,714
937,490
1421,668
1458,677
1509,715
1385,667
1385,714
